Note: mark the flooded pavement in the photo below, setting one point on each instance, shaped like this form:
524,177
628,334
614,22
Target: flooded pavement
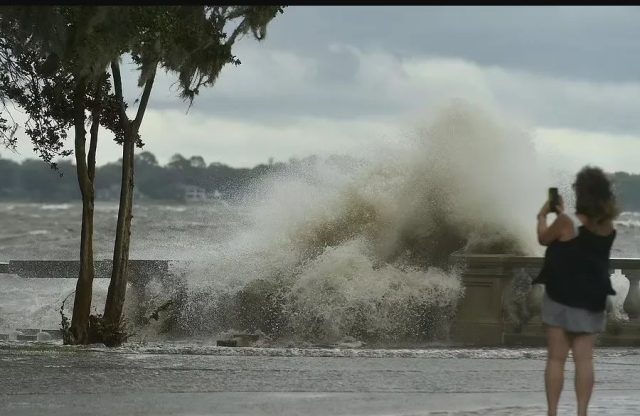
185,380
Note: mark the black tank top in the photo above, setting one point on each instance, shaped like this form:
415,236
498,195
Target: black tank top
576,272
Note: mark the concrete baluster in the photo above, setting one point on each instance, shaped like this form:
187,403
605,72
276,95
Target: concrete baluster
631,303
534,300
610,298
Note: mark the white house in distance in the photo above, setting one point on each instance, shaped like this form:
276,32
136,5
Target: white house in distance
194,193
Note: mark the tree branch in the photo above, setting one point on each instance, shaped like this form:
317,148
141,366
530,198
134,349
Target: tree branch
78,121
148,85
240,29
117,85
95,126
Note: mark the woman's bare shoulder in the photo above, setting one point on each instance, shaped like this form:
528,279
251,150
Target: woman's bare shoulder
564,219
566,225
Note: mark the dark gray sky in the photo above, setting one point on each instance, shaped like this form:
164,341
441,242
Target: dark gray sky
596,43
335,79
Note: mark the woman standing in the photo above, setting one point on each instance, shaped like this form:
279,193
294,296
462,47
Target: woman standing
576,276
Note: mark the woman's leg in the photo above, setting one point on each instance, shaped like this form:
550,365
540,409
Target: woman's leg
558,345
582,348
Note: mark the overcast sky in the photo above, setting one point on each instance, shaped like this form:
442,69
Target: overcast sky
337,79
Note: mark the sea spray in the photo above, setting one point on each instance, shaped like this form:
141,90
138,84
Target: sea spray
342,292
353,247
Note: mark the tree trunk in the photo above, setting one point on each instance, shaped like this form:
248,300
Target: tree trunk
84,286
118,285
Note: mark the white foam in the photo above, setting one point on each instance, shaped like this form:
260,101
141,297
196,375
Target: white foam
55,207
174,208
628,223
38,232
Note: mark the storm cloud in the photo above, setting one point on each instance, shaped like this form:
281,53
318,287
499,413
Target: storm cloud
337,79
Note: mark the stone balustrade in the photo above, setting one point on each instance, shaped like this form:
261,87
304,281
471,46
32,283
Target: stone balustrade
140,272
499,307
494,311
631,303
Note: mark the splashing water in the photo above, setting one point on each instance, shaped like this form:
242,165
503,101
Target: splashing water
344,247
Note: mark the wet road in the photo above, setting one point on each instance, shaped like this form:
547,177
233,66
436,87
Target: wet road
217,381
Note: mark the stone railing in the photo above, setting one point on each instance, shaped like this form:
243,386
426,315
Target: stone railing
140,272
501,307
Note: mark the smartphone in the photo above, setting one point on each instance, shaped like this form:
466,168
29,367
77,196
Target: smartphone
554,199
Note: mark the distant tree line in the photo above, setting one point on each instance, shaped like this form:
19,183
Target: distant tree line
34,180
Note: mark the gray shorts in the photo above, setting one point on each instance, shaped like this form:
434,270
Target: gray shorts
570,318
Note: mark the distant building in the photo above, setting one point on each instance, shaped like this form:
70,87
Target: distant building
194,193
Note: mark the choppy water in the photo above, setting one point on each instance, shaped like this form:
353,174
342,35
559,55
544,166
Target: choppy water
35,231
40,231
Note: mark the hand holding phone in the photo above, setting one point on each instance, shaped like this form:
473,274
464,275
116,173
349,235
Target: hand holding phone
554,200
